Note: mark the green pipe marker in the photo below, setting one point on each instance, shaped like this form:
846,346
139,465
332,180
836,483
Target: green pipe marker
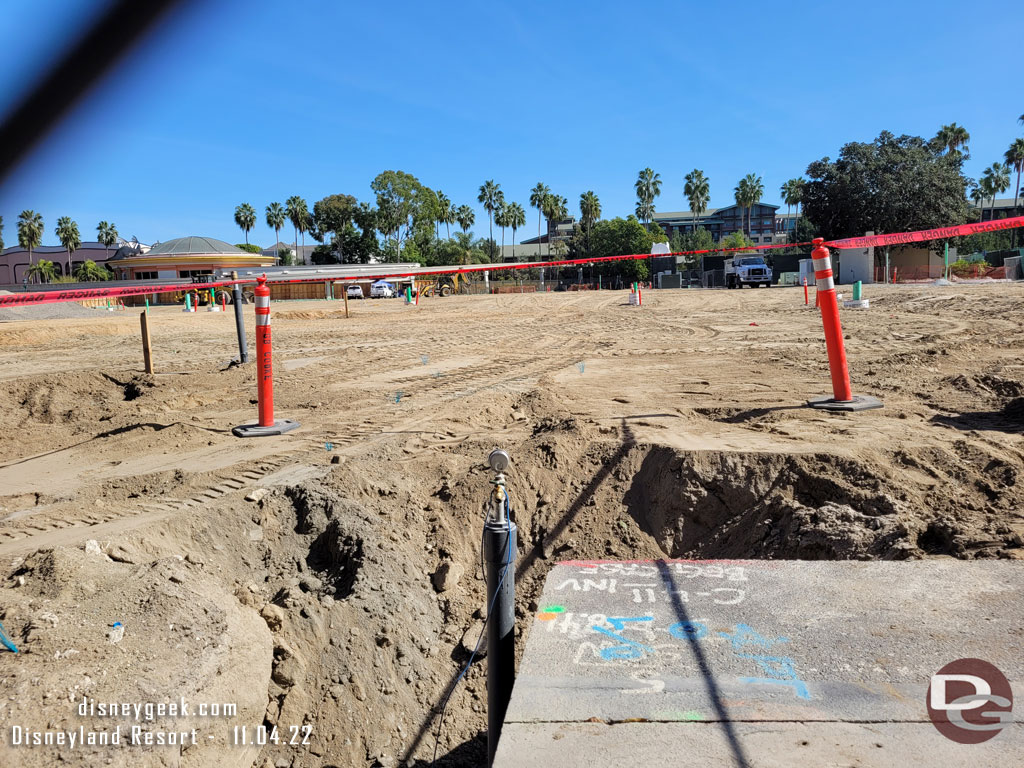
147,304
856,291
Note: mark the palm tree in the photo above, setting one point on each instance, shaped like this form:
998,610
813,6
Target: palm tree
445,212
89,271
978,195
516,218
698,192
106,233
488,197
275,220
748,194
556,208
298,214
537,197
466,218
1,233
30,232
1015,160
67,233
648,187
951,137
590,211
501,219
792,193
42,271
997,180
245,218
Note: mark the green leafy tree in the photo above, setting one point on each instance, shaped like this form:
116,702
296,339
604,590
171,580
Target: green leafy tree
245,218
648,187
106,233
285,256
698,192
275,220
516,220
30,231
618,237
332,215
537,197
43,271
298,215
90,272
398,198
248,247
67,232
465,217
488,198
697,240
893,184
951,137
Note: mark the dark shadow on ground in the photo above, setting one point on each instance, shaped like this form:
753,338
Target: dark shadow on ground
628,442
1008,419
425,729
731,416
469,754
705,669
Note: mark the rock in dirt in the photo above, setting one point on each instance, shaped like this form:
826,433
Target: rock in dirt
471,637
273,615
447,575
256,494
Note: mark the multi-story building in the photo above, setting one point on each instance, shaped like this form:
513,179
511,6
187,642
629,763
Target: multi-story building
721,222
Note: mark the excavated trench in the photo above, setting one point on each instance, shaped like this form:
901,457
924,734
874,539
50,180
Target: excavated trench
390,574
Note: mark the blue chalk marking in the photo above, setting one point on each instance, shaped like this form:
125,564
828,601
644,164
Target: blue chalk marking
781,666
581,365
424,359
328,446
688,630
398,396
10,646
745,635
630,649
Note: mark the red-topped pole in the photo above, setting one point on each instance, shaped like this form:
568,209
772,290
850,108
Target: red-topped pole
842,398
264,373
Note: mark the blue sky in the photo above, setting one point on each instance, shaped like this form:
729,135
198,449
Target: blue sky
256,101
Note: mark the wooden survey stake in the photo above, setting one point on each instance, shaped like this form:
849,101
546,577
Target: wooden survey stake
147,350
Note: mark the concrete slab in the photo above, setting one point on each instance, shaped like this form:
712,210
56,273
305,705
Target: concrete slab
740,662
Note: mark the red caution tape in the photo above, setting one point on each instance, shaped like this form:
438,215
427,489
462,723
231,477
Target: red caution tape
51,297
900,238
81,294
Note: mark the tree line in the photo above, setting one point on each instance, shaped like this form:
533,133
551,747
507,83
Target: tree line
30,237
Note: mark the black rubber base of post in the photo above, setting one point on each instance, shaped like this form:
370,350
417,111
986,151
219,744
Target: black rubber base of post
859,403
255,430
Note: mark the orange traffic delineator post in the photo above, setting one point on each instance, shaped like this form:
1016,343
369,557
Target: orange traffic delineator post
806,301
266,425
842,397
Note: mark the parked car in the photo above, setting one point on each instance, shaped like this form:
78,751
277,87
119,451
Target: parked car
355,292
382,290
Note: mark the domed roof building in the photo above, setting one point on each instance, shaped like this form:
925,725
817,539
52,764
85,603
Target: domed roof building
184,257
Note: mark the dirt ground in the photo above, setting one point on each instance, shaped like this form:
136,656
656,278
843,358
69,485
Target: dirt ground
330,577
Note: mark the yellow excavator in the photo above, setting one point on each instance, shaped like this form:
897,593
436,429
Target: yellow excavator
442,285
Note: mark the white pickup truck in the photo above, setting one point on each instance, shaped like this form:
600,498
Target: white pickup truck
747,270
